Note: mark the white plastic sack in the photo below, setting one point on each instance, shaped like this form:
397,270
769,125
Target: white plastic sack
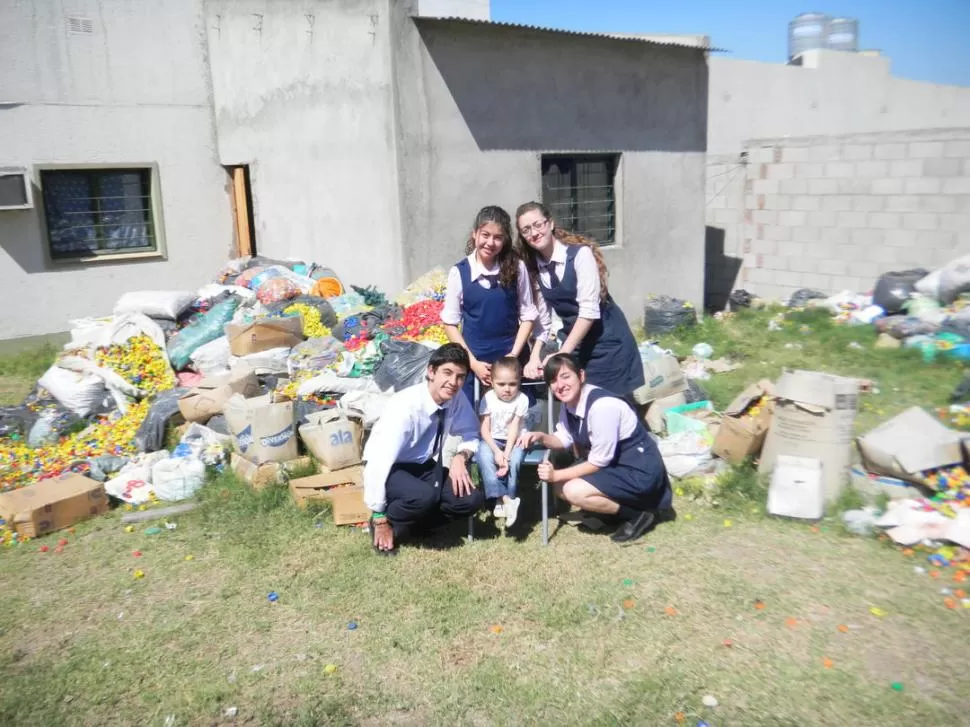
177,479
370,404
81,393
947,283
116,385
329,381
211,358
133,486
684,453
213,290
205,444
155,303
92,333
271,361
796,488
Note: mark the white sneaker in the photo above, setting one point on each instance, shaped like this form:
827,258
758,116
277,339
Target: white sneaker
499,510
511,511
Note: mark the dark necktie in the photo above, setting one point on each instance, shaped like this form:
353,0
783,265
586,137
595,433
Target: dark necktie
439,445
553,278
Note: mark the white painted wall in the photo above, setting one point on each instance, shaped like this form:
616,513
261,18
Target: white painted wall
474,9
831,93
134,91
303,94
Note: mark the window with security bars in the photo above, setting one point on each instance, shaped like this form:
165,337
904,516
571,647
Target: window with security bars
579,191
94,212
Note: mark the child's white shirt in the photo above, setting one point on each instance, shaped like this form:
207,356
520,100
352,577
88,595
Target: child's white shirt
502,412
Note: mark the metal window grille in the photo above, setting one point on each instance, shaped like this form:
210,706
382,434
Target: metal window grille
98,212
579,191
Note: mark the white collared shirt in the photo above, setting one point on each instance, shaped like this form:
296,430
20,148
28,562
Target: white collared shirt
587,284
405,433
451,313
610,420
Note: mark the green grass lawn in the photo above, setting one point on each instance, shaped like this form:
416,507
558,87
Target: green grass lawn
500,631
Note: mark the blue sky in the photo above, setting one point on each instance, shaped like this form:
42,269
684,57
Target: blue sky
927,40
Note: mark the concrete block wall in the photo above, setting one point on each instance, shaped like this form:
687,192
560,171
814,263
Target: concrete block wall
834,213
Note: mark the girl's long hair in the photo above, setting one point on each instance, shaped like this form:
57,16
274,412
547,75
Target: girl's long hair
508,260
529,256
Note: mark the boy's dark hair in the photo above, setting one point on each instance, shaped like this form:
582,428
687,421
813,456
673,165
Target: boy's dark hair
452,353
509,363
557,363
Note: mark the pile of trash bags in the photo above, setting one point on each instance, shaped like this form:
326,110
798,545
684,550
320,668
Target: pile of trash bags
105,408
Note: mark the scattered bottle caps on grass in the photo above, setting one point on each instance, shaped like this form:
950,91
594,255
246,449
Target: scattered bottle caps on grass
330,669
627,582
950,603
44,549
897,686
152,531
918,569
62,541
688,516
136,553
759,604
791,622
877,612
495,629
273,597
728,523
59,549
827,663
727,643
702,723
670,611
629,603
231,712
190,557
651,549
352,626
946,592
129,528
139,575
709,701
679,717
843,628
171,526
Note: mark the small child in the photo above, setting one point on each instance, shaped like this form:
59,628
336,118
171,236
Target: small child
502,410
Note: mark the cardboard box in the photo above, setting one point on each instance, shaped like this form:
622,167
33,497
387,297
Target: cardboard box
656,415
796,488
209,396
51,505
813,418
742,435
264,334
334,437
262,431
910,444
663,378
344,489
267,474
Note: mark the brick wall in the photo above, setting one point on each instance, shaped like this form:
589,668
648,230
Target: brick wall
833,213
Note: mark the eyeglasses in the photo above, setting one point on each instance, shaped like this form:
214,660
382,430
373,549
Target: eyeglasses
537,226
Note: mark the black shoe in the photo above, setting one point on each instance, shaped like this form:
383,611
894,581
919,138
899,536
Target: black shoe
666,516
633,529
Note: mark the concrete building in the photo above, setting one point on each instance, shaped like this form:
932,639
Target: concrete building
849,154
361,134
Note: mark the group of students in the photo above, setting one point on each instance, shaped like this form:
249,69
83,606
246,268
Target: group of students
497,315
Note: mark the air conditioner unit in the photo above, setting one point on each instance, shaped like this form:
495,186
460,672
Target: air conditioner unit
16,192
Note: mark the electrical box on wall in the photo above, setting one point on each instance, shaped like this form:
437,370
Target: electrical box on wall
16,192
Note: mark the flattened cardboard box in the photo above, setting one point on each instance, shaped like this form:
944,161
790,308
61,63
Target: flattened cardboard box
264,334
267,474
52,505
663,378
814,417
209,396
343,488
910,444
743,436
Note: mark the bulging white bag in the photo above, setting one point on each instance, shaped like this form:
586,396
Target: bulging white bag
212,358
155,303
81,393
178,478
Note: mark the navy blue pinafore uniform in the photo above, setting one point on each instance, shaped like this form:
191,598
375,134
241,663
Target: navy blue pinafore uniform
608,352
637,476
489,320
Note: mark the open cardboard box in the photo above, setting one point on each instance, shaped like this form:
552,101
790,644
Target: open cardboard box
343,488
50,505
742,436
267,474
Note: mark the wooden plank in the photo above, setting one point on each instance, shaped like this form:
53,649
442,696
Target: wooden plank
241,209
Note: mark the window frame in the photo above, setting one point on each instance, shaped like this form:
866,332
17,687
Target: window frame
154,216
617,188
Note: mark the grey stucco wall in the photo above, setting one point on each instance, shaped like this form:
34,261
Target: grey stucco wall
107,98
303,95
478,105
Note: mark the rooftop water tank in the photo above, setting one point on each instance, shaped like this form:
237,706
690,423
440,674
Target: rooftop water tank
843,34
809,31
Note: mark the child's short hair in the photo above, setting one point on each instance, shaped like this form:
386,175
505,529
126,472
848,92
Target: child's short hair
509,363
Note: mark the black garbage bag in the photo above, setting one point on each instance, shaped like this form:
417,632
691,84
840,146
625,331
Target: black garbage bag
327,315
404,364
665,315
16,421
740,299
800,297
302,408
695,392
150,436
962,392
218,424
893,289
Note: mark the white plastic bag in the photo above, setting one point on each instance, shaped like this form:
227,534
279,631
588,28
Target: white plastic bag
177,479
796,488
213,290
92,333
684,453
330,382
119,389
271,361
133,485
370,404
155,303
79,392
211,358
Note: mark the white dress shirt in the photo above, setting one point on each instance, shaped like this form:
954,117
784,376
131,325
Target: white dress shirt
405,433
451,313
587,285
610,420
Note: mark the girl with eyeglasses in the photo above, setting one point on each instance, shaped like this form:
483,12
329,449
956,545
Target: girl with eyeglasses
489,307
569,273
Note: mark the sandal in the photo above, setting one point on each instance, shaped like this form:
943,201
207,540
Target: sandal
373,543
